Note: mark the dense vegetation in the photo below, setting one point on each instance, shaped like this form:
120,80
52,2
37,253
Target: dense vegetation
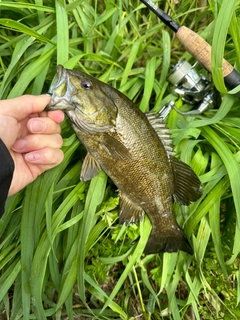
63,254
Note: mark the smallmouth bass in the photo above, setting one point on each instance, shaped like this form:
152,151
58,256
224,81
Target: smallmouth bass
134,149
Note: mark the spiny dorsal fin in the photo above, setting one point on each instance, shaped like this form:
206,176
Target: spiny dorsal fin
187,186
162,131
129,212
90,168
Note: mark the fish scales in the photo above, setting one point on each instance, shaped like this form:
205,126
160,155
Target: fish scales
122,141
145,180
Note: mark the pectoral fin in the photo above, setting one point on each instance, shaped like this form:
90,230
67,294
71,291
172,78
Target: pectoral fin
187,186
129,212
115,148
90,168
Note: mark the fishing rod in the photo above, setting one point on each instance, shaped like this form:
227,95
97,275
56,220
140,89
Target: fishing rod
196,46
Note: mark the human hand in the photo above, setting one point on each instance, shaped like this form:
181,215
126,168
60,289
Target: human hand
32,137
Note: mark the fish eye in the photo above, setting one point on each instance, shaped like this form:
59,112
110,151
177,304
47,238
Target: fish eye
87,84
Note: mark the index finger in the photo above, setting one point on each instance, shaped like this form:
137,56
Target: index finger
23,106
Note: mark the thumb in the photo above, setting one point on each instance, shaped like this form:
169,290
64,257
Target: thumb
21,107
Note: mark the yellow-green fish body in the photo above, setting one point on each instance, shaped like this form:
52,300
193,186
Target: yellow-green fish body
134,150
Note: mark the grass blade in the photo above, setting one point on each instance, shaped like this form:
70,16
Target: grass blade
218,43
62,32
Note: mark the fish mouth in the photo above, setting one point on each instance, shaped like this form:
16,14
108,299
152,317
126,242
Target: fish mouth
61,91
60,75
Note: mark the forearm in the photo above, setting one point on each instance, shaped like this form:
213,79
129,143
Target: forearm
6,173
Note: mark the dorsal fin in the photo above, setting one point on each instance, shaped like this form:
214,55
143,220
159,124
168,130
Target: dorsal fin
156,121
187,186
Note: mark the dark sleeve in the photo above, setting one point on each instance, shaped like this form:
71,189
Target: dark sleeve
6,173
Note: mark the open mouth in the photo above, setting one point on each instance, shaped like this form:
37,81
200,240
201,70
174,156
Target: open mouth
58,78
61,91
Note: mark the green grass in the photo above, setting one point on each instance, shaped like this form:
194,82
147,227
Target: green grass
63,254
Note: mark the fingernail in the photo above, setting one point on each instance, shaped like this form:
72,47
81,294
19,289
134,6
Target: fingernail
19,145
32,156
47,94
37,126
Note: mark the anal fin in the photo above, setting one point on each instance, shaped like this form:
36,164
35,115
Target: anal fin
129,212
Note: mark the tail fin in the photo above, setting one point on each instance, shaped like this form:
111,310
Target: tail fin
169,242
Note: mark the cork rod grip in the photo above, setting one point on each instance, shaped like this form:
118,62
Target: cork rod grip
199,49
